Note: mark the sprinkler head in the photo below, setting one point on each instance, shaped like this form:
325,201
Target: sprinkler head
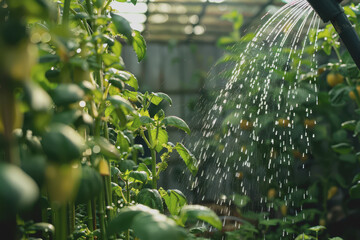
327,9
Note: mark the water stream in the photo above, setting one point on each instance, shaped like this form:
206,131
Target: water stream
257,130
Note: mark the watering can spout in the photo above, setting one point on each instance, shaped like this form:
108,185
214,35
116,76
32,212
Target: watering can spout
330,10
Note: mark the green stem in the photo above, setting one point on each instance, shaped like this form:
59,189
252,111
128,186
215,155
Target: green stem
135,156
60,222
128,192
153,158
90,218
71,211
66,12
93,209
106,6
337,53
102,216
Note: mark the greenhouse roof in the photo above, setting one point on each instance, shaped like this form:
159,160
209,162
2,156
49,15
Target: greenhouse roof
191,20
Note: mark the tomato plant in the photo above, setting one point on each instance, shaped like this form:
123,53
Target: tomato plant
75,130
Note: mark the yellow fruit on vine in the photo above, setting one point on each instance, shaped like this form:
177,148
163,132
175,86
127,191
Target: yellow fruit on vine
282,122
283,210
273,154
334,79
331,192
322,222
16,121
243,149
221,147
19,60
104,169
352,94
309,123
62,181
246,125
239,175
271,193
321,71
304,157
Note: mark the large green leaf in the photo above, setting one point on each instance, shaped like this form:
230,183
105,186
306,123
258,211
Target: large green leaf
188,158
17,190
355,191
174,200
139,45
37,98
198,212
156,98
176,122
160,137
342,148
90,184
139,175
122,26
150,198
147,224
62,143
107,148
66,94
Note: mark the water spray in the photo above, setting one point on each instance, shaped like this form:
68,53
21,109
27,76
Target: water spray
330,10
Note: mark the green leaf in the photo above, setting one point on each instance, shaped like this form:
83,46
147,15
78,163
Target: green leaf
143,167
66,94
357,128
37,98
125,165
338,95
121,102
62,143
157,226
336,238
342,148
42,226
107,148
139,148
90,184
150,198
147,224
156,98
160,137
303,237
139,45
122,26
349,125
110,60
270,222
174,200
17,190
123,142
124,219
144,120
134,1
188,158
356,178
198,212
176,122
317,228
139,175
240,200
355,191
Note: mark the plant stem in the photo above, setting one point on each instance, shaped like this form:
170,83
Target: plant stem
60,222
90,218
66,12
153,158
102,216
71,211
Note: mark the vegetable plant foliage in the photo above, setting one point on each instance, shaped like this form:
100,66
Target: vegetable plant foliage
74,130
